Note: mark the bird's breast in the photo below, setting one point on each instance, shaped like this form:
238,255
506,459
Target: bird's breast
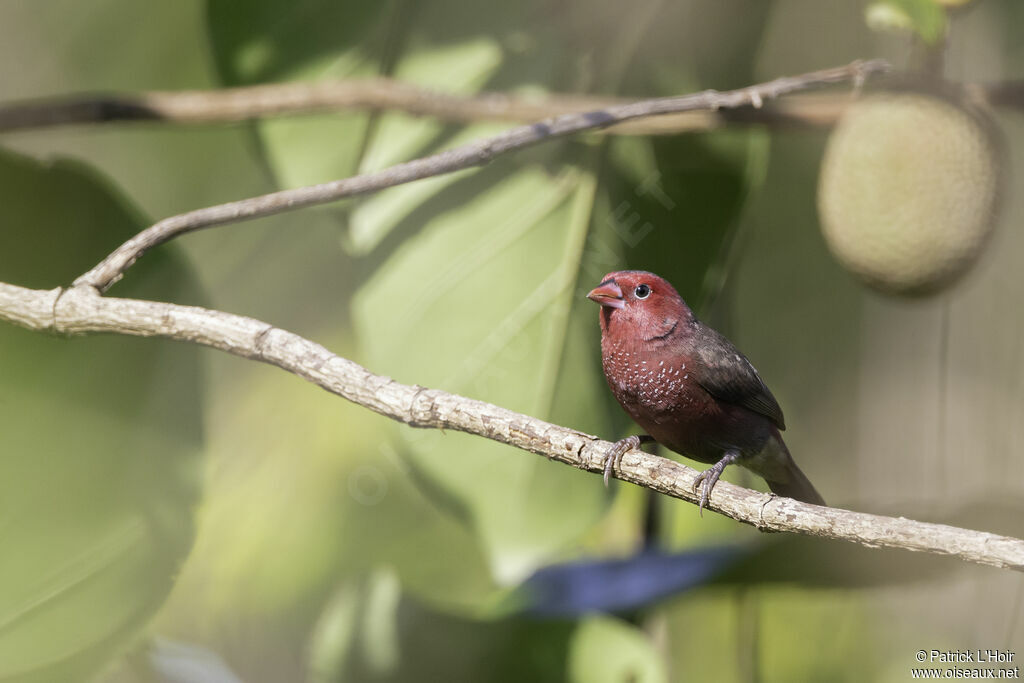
664,397
649,385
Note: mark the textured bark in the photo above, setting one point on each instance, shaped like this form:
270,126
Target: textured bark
227,105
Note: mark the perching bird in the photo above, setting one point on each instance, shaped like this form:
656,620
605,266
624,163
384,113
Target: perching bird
689,388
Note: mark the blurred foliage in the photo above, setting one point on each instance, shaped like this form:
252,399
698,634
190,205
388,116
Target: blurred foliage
334,544
100,438
543,224
924,18
407,642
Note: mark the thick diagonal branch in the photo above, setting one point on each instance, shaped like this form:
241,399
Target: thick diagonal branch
467,156
80,310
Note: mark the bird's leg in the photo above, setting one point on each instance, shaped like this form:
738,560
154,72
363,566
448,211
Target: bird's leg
710,476
614,455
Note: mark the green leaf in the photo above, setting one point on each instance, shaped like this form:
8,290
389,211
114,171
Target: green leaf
482,294
99,438
607,649
324,496
484,289
364,627
474,282
926,18
262,42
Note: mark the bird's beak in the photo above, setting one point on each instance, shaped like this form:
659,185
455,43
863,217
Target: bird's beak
607,294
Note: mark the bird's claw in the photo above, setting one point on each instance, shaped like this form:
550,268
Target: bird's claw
614,455
709,478
706,477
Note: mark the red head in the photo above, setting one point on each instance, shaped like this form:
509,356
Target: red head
638,305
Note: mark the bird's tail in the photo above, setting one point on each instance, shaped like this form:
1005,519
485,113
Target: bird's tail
790,481
798,486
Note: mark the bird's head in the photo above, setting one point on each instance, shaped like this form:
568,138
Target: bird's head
639,305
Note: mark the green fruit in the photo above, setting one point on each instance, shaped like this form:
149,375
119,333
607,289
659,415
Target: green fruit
908,190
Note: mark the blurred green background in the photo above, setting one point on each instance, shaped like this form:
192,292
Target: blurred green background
170,511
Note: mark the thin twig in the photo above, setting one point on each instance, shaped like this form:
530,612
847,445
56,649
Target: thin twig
467,156
231,105
81,310
260,101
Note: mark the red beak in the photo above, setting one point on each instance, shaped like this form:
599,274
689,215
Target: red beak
607,294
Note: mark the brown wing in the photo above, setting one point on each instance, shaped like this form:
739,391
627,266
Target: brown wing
726,374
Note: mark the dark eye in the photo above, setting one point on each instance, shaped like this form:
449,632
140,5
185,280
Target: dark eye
642,291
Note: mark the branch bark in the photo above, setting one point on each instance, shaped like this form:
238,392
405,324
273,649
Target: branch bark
473,154
81,310
231,105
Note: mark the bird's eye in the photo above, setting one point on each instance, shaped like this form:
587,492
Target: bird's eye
642,291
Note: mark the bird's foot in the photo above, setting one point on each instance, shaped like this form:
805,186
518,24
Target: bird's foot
614,455
709,478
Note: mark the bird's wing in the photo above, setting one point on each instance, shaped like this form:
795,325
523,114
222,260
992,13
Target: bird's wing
726,374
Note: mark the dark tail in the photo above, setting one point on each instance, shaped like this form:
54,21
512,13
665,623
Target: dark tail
790,481
798,486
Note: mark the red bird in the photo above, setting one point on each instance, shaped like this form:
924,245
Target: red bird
689,388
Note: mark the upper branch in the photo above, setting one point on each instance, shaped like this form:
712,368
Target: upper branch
473,154
229,105
81,310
